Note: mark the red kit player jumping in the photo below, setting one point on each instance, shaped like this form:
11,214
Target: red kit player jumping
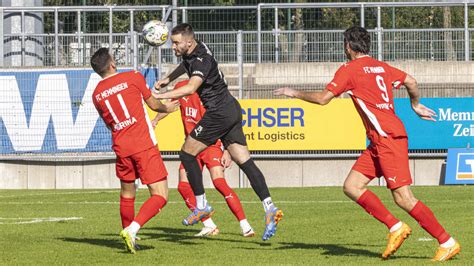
214,159
119,99
369,82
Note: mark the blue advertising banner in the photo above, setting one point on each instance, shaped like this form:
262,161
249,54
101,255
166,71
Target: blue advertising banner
52,111
460,167
454,127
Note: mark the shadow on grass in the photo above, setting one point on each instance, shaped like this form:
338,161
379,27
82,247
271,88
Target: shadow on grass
109,243
341,250
186,237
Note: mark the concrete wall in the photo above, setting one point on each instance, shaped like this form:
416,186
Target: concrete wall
313,73
278,173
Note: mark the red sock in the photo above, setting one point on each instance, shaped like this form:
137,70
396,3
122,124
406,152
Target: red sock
231,198
372,204
184,188
425,217
150,208
127,210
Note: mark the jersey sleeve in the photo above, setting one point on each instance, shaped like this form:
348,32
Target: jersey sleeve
398,77
341,81
140,83
201,67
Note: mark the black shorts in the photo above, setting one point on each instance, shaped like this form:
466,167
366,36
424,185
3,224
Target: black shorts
223,123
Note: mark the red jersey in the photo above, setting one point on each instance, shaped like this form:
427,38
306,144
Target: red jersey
192,111
370,82
119,99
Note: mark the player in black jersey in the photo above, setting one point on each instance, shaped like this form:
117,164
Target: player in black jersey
222,120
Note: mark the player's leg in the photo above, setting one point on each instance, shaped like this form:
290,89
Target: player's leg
397,173
240,154
127,175
355,187
186,192
207,131
149,166
127,202
211,157
191,148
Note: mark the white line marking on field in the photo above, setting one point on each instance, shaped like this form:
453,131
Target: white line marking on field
169,202
180,202
21,220
425,239
26,194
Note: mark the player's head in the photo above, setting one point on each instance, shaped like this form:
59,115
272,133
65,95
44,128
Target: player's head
356,41
103,63
182,37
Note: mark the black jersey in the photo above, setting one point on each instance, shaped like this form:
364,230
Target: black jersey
213,92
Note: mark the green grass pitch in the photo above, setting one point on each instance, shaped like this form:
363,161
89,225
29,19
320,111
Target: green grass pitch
320,226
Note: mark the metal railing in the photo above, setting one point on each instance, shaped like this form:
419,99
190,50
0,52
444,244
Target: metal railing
69,39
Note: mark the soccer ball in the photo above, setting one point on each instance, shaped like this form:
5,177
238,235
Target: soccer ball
155,32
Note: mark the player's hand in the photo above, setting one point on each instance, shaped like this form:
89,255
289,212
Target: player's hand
226,159
161,84
171,106
154,122
424,112
285,91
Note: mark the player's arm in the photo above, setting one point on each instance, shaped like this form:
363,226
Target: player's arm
339,84
188,89
178,71
157,106
318,97
422,111
158,117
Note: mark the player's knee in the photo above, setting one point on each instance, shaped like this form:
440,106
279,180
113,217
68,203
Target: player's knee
404,200
186,157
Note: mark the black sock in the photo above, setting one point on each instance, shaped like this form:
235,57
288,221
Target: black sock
193,172
256,178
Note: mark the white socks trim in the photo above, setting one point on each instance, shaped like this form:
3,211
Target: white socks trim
268,204
395,227
448,243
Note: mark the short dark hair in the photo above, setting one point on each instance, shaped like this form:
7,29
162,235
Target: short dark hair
100,61
358,39
183,29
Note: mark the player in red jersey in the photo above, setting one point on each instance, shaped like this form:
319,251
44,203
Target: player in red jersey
369,82
214,159
119,100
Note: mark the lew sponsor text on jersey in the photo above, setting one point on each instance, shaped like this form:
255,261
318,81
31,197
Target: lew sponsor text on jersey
460,130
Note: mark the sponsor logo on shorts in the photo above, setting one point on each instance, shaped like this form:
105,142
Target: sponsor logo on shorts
229,197
198,130
393,179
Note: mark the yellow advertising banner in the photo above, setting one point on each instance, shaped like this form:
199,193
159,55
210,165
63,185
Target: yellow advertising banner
286,124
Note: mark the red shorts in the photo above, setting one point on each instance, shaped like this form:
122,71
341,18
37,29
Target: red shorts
146,165
388,158
210,157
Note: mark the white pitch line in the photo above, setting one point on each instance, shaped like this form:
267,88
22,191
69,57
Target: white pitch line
425,239
39,220
169,202
180,202
60,193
